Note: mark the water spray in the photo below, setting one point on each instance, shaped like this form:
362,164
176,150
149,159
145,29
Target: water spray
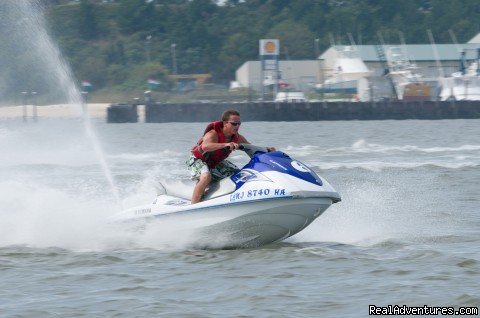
28,25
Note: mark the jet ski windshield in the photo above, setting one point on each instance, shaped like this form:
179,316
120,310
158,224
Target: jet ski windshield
251,150
262,160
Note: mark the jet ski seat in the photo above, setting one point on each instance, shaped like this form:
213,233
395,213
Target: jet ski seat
183,188
219,188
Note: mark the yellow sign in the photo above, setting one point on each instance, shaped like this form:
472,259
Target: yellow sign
269,47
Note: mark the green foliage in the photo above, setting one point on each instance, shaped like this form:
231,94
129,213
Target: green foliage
135,15
119,44
296,40
87,21
140,73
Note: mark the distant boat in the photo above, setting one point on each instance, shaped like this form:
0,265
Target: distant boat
269,81
347,70
462,85
408,83
291,97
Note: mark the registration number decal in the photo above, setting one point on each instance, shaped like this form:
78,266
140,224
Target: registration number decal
255,193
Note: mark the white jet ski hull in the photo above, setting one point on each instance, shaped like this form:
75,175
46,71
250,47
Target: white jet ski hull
256,206
266,222
242,224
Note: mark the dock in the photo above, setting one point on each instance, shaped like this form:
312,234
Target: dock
254,111
307,111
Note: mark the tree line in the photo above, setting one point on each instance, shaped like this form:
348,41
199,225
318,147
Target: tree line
118,44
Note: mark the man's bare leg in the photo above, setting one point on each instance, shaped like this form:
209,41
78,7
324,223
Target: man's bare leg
200,187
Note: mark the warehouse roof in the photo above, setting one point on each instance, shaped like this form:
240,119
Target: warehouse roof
416,52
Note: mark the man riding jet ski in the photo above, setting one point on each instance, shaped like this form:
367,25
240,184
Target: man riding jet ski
208,161
271,198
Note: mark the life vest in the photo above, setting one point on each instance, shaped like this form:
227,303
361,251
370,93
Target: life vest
212,158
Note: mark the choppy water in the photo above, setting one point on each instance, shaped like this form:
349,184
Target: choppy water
406,232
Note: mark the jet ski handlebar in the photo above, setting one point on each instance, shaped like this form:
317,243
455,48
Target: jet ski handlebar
249,149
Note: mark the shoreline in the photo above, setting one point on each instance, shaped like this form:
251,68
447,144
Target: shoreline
95,110
258,111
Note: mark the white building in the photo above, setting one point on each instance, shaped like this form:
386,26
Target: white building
420,54
304,74
299,74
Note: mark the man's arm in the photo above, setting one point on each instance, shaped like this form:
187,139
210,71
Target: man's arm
242,140
210,142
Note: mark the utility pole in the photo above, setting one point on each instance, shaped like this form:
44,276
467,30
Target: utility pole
174,59
317,54
85,103
148,41
174,62
24,107
34,106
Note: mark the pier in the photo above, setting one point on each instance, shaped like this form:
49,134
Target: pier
308,111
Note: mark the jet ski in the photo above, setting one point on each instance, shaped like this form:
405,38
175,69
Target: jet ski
270,199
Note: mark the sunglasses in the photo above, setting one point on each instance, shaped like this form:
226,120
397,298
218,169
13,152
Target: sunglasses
235,123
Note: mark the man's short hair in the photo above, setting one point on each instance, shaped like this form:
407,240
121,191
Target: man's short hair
226,114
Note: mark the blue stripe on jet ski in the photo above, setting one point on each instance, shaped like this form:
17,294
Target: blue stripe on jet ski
280,162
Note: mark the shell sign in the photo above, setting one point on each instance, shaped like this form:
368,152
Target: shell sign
269,47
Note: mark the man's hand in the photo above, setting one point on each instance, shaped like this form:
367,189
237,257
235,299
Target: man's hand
233,146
